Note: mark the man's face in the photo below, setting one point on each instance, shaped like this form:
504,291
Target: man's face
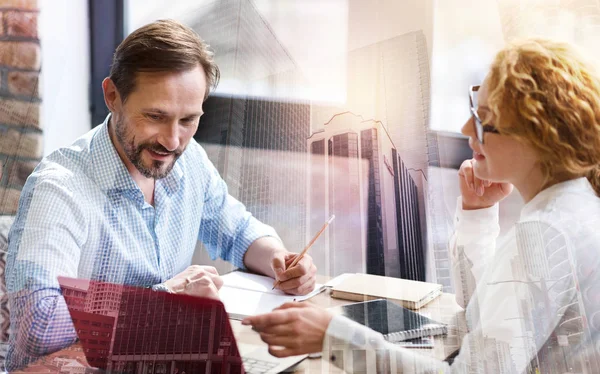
159,118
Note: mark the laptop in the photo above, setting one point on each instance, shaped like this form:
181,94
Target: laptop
126,329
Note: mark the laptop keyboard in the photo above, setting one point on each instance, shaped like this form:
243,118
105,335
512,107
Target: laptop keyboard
253,366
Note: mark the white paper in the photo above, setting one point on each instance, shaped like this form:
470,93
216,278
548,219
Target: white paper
245,294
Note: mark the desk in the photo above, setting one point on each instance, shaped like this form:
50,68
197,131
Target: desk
443,309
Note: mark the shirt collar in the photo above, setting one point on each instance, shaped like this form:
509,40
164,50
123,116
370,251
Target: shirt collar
578,185
113,177
172,181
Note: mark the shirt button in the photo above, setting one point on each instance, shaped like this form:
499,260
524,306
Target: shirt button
332,358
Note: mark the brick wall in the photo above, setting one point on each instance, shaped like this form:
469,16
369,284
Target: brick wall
20,132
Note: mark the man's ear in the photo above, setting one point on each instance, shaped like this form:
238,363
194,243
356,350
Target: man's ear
112,99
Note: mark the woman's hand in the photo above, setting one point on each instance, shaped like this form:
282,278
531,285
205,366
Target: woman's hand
292,329
478,193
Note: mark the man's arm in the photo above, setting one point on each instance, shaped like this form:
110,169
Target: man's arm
261,253
44,242
230,232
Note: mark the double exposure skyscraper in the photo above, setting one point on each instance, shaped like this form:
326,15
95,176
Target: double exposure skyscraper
75,296
154,332
388,82
255,118
162,334
103,298
547,259
357,175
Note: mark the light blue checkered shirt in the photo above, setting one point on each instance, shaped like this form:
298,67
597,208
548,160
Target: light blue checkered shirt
81,215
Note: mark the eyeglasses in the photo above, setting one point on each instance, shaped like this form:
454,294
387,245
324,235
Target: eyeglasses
480,128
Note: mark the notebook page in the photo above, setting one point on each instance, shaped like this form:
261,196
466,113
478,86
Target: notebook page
248,281
245,294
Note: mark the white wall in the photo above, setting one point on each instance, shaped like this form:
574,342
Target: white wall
467,35
64,82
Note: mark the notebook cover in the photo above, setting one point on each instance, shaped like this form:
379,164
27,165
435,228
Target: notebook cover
394,322
412,294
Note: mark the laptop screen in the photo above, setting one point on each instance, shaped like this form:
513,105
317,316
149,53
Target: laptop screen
127,329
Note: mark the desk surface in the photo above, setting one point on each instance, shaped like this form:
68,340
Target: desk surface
443,309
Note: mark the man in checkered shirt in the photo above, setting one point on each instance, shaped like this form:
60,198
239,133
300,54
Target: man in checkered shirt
127,202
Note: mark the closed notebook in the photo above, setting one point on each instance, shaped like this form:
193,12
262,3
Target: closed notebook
394,322
411,294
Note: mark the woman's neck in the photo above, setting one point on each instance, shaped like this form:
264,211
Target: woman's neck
535,183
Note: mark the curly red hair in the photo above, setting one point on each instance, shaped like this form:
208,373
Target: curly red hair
544,93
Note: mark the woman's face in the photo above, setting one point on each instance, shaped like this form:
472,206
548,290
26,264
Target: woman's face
502,158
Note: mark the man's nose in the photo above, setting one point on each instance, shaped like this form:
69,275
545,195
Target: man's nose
169,137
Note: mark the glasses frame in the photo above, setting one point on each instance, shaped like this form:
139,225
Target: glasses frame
479,127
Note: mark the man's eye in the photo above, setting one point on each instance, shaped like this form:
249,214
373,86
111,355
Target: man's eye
189,121
154,117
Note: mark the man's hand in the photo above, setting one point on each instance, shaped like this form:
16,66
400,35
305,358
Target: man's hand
196,280
268,256
292,329
299,280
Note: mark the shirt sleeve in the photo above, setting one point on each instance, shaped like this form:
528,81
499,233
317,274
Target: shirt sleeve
471,247
356,349
537,308
227,229
44,242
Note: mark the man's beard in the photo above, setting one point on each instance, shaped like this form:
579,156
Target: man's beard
158,169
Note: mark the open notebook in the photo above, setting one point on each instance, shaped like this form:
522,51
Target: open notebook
394,322
246,294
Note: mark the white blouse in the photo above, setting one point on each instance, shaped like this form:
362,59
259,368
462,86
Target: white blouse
532,299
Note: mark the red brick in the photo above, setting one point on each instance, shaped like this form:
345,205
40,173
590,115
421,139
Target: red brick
22,55
1,23
14,143
21,24
19,171
9,200
20,4
23,83
19,113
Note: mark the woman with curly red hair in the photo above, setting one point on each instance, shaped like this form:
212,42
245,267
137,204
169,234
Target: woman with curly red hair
534,126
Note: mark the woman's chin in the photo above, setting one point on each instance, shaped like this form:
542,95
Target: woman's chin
480,170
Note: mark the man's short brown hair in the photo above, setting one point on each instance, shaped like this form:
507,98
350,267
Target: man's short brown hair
163,45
